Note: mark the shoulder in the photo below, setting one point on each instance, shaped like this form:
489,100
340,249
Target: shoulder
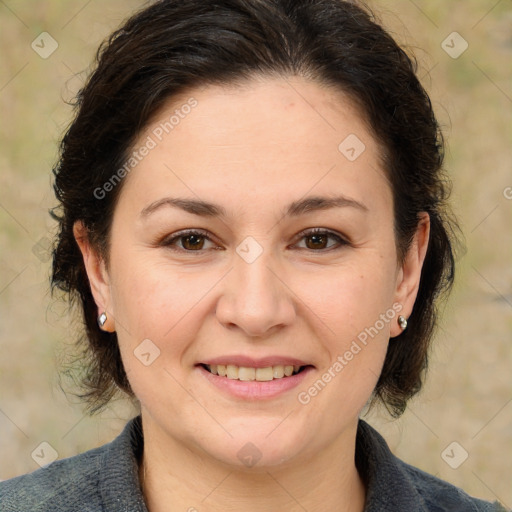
69,484
395,486
104,478
441,496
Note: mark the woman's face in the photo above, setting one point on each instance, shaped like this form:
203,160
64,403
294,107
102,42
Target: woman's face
253,171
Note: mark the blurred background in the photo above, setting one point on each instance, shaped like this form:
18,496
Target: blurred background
460,426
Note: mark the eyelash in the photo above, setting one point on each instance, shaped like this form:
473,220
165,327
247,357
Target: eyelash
169,242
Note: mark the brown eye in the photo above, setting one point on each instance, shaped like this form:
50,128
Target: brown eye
187,241
192,242
317,240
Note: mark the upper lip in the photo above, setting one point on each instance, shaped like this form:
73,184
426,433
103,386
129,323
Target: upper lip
250,362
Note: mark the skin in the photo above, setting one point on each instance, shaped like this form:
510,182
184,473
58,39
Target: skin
253,149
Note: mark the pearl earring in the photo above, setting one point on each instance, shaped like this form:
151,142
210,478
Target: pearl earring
402,322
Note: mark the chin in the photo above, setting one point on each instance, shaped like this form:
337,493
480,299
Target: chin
258,447
253,458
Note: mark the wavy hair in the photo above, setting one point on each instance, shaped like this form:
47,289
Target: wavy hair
172,46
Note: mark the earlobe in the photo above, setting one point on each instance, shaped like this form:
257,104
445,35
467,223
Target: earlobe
97,274
408,276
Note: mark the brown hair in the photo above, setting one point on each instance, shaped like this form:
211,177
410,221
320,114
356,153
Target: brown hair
172,46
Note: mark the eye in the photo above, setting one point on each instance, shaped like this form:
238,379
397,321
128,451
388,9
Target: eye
316,239
194,240
189,241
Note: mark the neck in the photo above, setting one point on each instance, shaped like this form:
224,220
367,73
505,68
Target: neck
174,474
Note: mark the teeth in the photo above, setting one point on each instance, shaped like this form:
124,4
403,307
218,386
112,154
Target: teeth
263,374
232,371
248,374
278,372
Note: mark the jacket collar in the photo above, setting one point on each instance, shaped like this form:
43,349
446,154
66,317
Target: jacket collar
388,484
119,476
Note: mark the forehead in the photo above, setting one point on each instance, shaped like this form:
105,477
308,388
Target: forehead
262,111
263,137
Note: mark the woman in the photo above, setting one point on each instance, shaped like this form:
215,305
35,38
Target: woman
252,217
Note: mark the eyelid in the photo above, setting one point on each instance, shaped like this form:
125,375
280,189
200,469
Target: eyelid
169,240
342,240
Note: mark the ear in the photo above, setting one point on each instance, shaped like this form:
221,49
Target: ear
97,274
408,276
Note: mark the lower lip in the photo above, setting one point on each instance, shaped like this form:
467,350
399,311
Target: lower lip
255,389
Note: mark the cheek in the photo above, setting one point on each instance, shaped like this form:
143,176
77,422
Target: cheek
356,316
156,300
350,298
153,307
354,304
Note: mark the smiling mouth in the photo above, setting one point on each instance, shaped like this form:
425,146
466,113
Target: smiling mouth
246,373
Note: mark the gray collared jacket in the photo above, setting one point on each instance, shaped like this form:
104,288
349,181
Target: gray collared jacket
106,479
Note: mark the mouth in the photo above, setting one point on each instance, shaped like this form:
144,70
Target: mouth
254,378
247,373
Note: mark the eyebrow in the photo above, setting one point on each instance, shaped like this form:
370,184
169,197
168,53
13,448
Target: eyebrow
294,209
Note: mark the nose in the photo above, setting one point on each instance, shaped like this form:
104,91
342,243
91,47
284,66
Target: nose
255,298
